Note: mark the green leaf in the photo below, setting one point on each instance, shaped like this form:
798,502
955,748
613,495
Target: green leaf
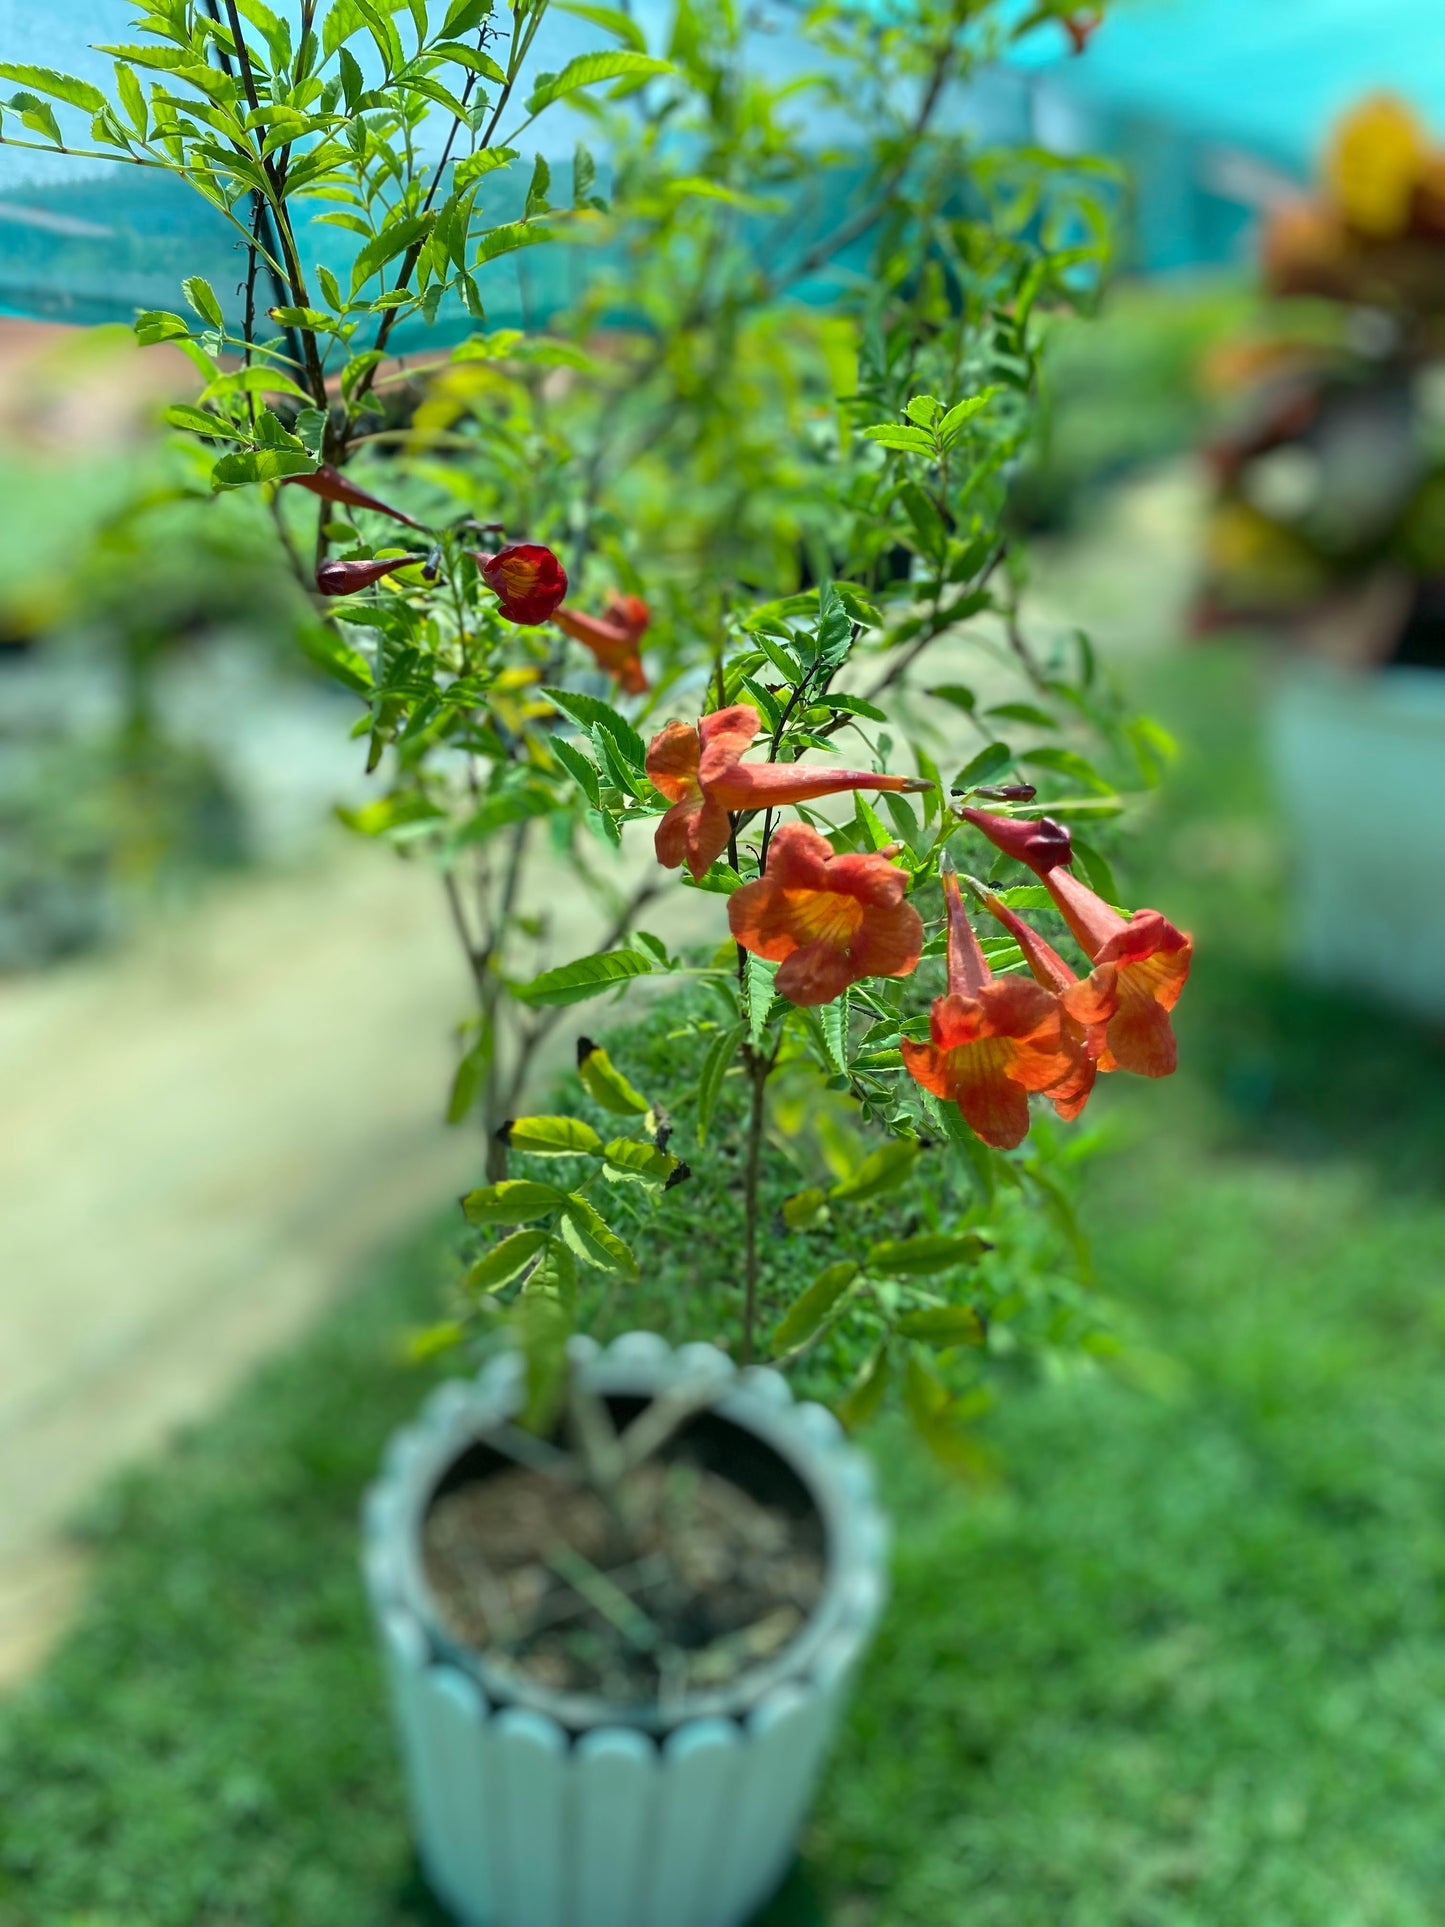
992,760
590,712
256,380
573,983
542,1325
260,465
510,236
1096,871
463,16
1067,762
808,1311
944,1325
580,768
620,25
486,161
805,1208
720,1054
393,239
327,650
555,1272
469,1076
500,1265
928,524
181,415
312,318
630,1159
882,1170
201,295
924,410
75,93
962,413
956,693
157,325
551,1137
513,1201
586,70
865,1394
605,1084
1024,713
594,1240
911,441
402,809
930,1252
759,978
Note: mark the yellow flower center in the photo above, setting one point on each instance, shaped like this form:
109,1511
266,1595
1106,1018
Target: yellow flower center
824,916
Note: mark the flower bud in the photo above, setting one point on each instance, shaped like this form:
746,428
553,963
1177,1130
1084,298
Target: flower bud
527,580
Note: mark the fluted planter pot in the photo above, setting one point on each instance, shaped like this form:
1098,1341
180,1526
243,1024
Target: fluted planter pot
534,1808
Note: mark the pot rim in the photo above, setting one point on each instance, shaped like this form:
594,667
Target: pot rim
758,1401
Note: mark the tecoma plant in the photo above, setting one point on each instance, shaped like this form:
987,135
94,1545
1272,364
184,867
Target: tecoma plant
776,518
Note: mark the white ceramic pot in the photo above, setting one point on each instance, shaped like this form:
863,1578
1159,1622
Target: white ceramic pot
535,1809
1360,764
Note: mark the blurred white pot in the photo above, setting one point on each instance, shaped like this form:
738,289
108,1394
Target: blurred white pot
1360,763
535,1809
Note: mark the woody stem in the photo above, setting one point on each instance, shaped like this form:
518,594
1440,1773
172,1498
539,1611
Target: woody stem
758,1069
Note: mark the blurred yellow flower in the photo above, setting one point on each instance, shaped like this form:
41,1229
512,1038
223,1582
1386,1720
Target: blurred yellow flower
1374,162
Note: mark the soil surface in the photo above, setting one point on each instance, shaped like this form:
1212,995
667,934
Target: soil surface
693,1582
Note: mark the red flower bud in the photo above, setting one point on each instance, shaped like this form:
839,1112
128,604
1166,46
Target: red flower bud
527,580
332,486
1042,844
345,578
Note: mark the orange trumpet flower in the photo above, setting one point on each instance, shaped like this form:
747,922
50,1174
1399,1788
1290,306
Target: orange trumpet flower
1140,965
828,920
1084,1007
613,637
993,1039
699,769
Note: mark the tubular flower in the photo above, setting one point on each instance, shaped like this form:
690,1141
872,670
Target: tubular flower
1140,964
1040,844
613,638
993,1040
701,773
527,580
1084,1009
828,920
345,578
332,486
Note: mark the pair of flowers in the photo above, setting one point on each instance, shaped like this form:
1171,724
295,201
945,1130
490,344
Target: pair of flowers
527,579
829,921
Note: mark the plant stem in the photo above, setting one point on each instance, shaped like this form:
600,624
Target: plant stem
758,1068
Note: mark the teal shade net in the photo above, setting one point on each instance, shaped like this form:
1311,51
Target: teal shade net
1269,75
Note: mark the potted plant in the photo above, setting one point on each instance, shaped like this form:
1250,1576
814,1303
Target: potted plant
1327,527
622,1589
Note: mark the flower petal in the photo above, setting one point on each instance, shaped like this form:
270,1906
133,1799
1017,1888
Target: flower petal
672,763
708,831
816,974
729,731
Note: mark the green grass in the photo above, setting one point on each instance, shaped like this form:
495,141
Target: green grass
1185,1667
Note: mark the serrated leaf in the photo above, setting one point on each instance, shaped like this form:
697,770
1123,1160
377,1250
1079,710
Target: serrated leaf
202,297
158,325
551,1137
594,1240
46,80
542,1325
630,1159
605,1084
590,712
929,1252
620,25
500,1265
924,410
759,978
944,1325
254,465
588,977
394,239
962,413
513,1201
808,1311
882,1170
181,415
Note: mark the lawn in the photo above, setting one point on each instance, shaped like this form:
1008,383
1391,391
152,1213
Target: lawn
1184,1665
